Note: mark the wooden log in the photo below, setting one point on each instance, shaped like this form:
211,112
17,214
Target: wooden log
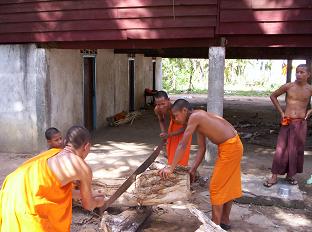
148,189
208,225
129,220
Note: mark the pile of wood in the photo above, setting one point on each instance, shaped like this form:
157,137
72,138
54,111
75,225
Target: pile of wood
123,118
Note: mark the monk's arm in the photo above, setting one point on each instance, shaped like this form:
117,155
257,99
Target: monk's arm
178,132
161,119
191,127
201,141
309,112
88,201
275,95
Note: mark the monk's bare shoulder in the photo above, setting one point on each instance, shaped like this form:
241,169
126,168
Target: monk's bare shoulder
197,115
79,166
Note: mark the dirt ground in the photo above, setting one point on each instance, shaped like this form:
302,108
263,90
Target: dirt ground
117,151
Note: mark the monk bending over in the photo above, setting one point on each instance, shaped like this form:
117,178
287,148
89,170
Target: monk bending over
225,184
37,196
175,131
288,158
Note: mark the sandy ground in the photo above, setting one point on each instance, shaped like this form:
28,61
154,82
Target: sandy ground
118,151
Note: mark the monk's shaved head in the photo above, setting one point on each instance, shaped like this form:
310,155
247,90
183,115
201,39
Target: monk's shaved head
50,132
77,136
161,94
180,104
304,66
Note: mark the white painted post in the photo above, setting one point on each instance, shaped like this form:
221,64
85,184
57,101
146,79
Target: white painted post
158,74
215,91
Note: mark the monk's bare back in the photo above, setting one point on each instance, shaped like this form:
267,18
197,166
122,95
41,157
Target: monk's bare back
68,167
297,100
214,127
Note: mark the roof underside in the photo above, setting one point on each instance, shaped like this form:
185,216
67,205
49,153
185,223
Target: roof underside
167,28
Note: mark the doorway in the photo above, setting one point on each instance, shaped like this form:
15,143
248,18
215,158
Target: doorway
89,89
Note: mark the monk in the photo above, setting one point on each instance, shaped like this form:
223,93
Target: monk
225,184
54,138
175,130
288,158
37,196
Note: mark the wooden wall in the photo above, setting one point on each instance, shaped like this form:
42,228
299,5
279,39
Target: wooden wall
98,20
266,22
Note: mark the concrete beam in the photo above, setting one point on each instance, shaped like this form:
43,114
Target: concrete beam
158,73
215,90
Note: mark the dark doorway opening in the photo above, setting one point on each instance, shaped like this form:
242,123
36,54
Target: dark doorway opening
89,92
131,84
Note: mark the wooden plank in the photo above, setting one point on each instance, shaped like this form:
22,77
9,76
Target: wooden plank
287,15
90,25
269,41
109,14
63,36
264,4
59,15
168,11
173,33
268,28
135,44
95,4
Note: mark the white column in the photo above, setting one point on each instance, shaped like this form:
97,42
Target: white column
158,74
215,91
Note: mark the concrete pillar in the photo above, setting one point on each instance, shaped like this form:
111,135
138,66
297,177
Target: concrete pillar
215,91
158,74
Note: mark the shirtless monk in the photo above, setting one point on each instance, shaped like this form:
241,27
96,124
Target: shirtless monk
54,138
175,130
225,184
37,196
288,158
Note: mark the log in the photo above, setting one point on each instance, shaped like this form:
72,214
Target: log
207,225
129,220
148,189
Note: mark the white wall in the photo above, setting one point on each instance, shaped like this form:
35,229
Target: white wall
143,78
112,85
23,101
65,71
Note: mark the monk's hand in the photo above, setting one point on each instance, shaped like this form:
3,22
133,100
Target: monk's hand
100,201
163,135
282,115
165,172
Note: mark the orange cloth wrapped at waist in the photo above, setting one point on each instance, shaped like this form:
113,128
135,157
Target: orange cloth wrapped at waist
173,142
32,199
225,184
287,120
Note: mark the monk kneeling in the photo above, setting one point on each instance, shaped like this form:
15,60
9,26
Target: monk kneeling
37,196
225,184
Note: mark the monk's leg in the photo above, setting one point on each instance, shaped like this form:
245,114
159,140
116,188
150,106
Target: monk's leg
225,219
217,213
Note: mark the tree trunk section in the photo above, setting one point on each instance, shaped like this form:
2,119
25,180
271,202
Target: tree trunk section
129,220
148,189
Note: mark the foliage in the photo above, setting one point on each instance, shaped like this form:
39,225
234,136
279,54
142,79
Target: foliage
191,75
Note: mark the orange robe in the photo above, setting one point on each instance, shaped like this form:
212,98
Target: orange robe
32,199
225,184
173,142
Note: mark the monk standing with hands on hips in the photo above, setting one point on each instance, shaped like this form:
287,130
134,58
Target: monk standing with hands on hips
225,184
289,154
